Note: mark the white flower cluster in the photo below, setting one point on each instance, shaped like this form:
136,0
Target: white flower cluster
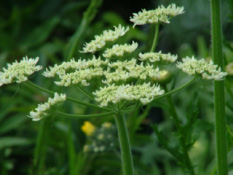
145,93
62,69
19,71
208,71
80,76
120,50
100,40
42,110
159,56
161,14
127,71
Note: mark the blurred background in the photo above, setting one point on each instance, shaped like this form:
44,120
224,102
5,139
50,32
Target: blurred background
48,29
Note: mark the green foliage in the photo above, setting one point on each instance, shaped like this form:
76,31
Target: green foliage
53,29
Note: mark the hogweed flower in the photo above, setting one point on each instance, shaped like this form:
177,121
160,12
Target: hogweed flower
43,109
100,40
161,14
208,71
80,77
158,56
65,67
120,50
19,71
144,93
127,71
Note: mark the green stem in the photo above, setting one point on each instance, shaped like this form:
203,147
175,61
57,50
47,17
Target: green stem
68,98
85,92
88,16
187,161
126,155
219,99
84,116
175,90
156,36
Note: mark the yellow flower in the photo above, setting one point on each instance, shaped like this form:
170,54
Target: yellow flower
88,128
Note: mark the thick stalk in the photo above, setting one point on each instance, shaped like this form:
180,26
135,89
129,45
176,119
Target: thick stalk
181,135
155,38
219,100
126,155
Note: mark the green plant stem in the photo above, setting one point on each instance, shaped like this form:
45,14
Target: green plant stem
84,116
68,98
85,92
219,99
175,90
88,16
126,155
181,135
156,36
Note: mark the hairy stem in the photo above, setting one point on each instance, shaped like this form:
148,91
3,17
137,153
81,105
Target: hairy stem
126,155
219,99
187,161
156,36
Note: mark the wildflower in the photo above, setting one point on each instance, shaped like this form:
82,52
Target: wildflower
65,67
42,110
120,50
161,14
100,40
80,77
88,128
144,93
208,71
127,71
229,69
155,57
19,71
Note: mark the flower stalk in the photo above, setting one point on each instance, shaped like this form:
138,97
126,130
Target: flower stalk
219,100
156,36
126,155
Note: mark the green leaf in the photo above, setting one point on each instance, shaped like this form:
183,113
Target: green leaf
13,141
12,122
40,34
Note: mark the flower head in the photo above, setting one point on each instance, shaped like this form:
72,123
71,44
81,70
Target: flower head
129,69
100,40
72,65
159,56
80,77
208,71
120,50
144,93
19,71
161,14
42,110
